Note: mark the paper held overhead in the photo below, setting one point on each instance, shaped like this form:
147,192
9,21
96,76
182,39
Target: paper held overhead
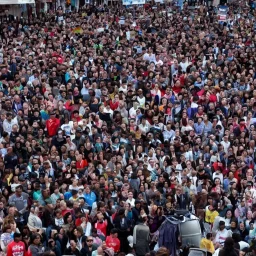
3,2
133,2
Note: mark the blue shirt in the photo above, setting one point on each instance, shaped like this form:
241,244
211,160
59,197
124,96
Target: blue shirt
199,128
90,198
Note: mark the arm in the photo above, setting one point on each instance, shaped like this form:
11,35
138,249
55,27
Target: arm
3,247
134,235
22,211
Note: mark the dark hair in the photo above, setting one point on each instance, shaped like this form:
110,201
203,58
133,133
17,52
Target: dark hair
33,237
16,235
65,218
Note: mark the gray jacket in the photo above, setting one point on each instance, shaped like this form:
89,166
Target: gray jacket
141,239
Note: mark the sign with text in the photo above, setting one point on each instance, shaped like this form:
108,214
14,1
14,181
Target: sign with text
133,2
222,13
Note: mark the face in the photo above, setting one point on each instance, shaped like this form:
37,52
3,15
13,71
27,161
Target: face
37,240
221,227
18,191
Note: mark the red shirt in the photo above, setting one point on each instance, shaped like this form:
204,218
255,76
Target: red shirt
16,249
52,126
113,242
113,105
102,227
213,98
63,212
81,164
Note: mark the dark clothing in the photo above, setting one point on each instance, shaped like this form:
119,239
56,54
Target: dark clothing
229,252
167,236
141,239
10,161
124,229
135,214
182,201
244,233
86,252
68,251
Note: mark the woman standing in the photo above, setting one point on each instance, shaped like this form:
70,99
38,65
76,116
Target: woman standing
35,248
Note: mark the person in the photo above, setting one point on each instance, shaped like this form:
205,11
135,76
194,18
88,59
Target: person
72,249
221,235
19,200
16,247
141,236
161,116
206,243
112,241
228,248
34,222
6,237
35,248
89,247
52,124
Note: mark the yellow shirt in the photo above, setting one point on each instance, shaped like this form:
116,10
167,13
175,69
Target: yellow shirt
208,245
112,96
210,216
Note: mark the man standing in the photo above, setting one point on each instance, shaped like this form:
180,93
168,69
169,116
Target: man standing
112,241
141,236
52,124
19,200
17,247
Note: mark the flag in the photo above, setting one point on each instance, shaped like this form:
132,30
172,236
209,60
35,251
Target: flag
78,30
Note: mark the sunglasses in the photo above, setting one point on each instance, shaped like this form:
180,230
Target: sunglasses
89,241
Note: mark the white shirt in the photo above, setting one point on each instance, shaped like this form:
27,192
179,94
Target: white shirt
222,235
184,65
132,202
168,134
219,175
145,128
108,111
7,126
132,112
159,62
225,145
189,155
141,101
67,127
150,57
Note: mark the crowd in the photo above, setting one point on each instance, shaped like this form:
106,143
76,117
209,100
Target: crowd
112,118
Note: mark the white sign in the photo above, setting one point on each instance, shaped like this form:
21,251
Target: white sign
133,2
122,21
2,2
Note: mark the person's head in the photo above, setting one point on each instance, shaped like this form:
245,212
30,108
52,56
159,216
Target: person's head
114,232
229,243
163,251
80,231
209,236
89,241
18,190
72,244
17,237
100,217
7,228
233,224
87,190
35,239
221,225
52,115
228,214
